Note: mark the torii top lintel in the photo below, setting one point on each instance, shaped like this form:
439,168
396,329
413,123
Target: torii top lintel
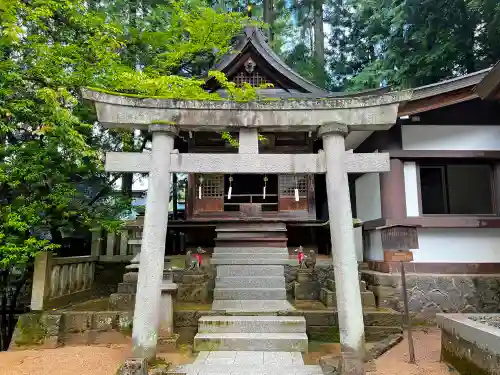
361,113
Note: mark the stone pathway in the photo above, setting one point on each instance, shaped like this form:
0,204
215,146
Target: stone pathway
248,363
251,284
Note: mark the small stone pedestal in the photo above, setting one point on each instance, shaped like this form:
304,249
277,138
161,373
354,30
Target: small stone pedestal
134,366
194,287
167,339
306,287
124,298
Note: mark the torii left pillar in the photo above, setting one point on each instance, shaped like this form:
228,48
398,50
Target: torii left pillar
147,301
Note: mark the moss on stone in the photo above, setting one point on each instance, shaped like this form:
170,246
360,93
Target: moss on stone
30,330
325,334
158,362
163,122
462,365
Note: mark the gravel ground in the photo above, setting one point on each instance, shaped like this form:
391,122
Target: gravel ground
98,360
493,321
427,353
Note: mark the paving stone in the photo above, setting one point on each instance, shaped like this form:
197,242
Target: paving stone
250,270
249,293
252,306
250,282
296,342
250,249
243,261
228,324
245,369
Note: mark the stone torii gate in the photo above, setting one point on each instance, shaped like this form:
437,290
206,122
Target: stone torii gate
331,119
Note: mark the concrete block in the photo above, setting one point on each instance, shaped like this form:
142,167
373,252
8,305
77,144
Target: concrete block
167,344
280,255
250,282
130,277
328,298
193,293
293,342
249,249
104,321
127,288
250,270
368,300
252,306
222,261
234,324
249,293
306,291
330,284
77,321
120,301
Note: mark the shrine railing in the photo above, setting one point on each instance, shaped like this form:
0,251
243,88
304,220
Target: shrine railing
58,281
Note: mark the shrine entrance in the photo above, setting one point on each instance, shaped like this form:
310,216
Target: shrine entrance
285,196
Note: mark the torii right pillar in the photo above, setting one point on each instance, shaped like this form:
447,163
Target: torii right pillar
350,311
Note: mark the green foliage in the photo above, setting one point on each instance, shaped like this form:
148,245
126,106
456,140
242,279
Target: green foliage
52,179
411,43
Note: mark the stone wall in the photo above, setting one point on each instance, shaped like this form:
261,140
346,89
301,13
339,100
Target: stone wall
429,294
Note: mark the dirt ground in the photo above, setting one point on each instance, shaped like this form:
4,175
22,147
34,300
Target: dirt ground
427,353
98,360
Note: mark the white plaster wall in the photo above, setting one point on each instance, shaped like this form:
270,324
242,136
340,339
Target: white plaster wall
368,206
411,188
451,137
460,245
373,249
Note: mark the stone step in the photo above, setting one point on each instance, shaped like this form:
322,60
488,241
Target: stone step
280,342
122,301
329,298
130,277
240,235
236,324
249,249
282,260
245,307
250,293
127,288
258,227
250,270
330,284
275,254
245,368
250,282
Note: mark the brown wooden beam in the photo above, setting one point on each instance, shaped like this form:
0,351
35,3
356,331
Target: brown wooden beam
392,191
438,221
444,154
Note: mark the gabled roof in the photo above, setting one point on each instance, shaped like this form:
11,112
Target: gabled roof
489,87
444,93
253,45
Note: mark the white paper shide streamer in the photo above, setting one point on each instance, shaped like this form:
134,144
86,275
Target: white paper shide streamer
296,195
229,192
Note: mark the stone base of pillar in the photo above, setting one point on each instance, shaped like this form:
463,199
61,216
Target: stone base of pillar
306,288
134,366
167,344
344,364
194,287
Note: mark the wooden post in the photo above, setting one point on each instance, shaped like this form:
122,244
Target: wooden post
407,318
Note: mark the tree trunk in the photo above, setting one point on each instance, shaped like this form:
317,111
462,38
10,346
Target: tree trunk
127,182
269,17
319,34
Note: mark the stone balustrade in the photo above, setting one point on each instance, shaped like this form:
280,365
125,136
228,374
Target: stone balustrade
59,281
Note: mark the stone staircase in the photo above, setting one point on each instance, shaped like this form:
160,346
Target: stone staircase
251,333
250,289
251,235
328,296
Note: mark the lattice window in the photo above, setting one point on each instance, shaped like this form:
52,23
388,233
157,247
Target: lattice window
289,182
255,79
212,185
